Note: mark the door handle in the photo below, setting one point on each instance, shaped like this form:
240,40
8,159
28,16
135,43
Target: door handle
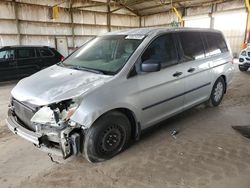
177,74
191,69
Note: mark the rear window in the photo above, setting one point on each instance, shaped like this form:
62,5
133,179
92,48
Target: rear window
25,53
192,45
215,44
45,52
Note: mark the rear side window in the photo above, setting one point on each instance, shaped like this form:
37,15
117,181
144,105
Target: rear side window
216,44
25,53
192,45
44,52
162,49
6,54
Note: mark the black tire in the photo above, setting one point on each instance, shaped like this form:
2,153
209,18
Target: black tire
108,136
217,93
242,68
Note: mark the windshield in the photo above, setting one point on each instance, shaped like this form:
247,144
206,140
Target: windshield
106,54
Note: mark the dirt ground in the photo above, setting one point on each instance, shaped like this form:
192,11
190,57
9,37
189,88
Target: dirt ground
207,152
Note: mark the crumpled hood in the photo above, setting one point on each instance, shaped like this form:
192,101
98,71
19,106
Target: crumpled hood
55,84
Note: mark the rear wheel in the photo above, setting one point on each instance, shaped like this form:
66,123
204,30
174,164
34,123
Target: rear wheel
242,68
217,93
109,135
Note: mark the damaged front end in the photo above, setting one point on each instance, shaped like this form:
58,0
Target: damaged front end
48,127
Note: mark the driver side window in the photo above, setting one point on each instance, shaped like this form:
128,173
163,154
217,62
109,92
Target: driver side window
6,54
163,50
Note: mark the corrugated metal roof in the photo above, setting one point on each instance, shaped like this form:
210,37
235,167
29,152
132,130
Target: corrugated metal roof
147,7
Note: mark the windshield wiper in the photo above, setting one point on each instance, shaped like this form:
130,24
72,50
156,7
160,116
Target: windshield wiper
87,69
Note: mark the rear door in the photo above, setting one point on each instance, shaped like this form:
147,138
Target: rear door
197,79
26,61
161,93
47,56
8,65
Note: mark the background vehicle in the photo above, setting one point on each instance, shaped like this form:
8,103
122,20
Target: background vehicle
21,61
244,59
118,84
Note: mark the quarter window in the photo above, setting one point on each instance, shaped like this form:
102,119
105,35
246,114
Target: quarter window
25,53
45,52
216,44
163,50
192,45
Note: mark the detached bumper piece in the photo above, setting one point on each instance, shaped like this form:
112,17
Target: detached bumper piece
68,143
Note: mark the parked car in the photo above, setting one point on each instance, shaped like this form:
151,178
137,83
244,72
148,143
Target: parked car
244,59
21,61
116,85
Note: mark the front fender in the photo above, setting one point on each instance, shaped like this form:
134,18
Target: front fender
87,114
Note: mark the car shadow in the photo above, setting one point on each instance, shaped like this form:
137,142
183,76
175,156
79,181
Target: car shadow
10,82
173,124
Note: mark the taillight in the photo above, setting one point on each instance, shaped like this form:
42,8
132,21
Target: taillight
62,58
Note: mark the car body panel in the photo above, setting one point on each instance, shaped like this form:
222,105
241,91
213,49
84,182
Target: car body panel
58,84
244,57
150,97
18,67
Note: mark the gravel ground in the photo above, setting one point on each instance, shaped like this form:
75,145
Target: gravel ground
206,153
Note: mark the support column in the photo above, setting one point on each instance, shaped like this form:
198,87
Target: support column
72,23
108,16
139,21
213,9
17,22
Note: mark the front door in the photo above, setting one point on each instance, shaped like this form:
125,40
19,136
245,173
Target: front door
8,65
161,93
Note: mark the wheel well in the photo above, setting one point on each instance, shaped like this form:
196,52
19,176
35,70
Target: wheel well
131,116
135,126
225,80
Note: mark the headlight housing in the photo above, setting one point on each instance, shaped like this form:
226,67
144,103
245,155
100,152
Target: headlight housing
244,53
56,113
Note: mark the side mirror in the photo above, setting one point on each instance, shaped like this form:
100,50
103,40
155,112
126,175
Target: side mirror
151,66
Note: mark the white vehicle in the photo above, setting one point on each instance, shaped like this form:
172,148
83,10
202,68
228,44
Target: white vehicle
244,59
118,84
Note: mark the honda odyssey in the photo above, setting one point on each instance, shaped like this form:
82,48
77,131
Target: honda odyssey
116,85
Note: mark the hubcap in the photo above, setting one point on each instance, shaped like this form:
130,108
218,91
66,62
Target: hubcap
111,140
218,92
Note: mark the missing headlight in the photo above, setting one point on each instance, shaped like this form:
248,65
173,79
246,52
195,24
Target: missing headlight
56,113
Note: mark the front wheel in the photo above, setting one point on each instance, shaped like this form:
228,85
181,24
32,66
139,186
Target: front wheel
242,68
217,93
109,135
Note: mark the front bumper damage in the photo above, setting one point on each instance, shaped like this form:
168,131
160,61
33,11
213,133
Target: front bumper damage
64,141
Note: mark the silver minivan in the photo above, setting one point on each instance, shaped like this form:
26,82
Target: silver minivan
116,85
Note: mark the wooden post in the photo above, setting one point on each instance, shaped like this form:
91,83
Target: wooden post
72,23
17,22
108,16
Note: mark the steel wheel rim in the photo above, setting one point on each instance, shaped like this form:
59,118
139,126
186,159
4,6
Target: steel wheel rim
218,92
111,140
